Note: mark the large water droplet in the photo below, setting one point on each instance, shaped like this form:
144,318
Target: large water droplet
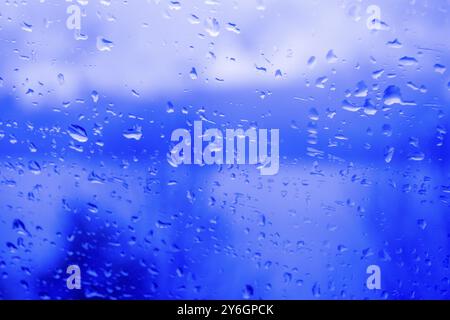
393,95
77,133
408,61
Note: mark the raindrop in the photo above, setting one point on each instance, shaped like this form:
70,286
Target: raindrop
388,154
247,292
34,167
377,74
439,68
311,61
133,133
94,96
233,28
212,27
170,108
394,44
416,156
27,27
61,79
331,57
278,74
174,5
348,106
104,44
193,74
393,95
369,108
408,61
361,90
135,93
320,82
77,133
387,130
19,226
162,224
193,19
422,224
316,290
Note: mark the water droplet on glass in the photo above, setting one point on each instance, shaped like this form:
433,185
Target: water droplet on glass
212,26
247,292
393,95
61,79
388,154
27,27
416,156
278,74
311,61
439,68
394,44
34,167
134,133
19,226
170,108
316,290
233,28
193,74
408,61
104,44
422,224
77,133
331,57
94,96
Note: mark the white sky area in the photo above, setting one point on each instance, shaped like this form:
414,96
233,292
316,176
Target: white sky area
156,43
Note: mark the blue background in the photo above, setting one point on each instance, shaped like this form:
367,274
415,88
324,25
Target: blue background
142,229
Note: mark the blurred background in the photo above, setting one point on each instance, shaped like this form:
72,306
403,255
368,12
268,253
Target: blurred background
360,91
